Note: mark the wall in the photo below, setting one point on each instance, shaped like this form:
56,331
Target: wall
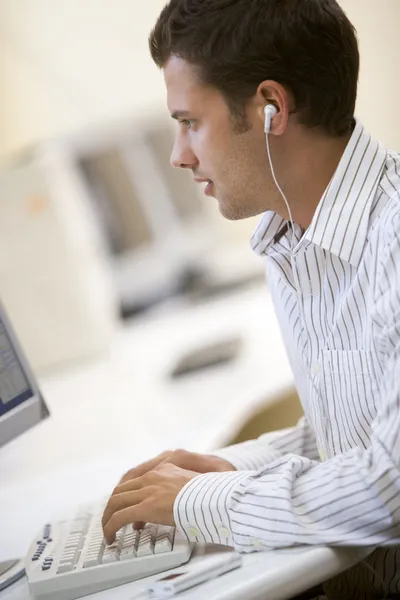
66,63
377,24
72,62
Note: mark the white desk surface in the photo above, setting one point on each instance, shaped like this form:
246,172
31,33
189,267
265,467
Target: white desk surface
114,413
274,575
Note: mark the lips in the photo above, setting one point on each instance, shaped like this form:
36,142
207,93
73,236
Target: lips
209,185
198,180
209,188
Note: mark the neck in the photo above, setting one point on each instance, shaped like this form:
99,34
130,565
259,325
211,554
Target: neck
310,160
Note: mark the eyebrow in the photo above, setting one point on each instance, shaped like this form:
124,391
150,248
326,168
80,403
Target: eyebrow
180,114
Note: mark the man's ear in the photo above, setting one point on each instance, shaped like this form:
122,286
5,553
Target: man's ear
271,95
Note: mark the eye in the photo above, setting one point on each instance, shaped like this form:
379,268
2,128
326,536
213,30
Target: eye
186,123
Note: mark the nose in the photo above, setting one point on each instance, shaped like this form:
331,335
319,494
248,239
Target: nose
182,156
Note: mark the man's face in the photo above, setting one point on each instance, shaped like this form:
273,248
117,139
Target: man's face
209,142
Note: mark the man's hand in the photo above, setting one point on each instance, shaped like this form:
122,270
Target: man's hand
148,498
191,461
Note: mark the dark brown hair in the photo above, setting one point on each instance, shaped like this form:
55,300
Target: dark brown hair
309,46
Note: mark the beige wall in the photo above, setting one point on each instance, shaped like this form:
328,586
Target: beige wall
377,23
64,63
71,62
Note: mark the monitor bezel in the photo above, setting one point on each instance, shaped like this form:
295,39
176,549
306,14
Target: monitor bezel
30,412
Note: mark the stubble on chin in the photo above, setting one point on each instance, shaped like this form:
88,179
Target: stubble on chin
233,212
237,210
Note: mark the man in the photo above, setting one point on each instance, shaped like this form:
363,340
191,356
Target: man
333,268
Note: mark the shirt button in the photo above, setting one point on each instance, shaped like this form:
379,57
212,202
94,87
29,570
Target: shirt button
257,543
224,532
322,454
193,531
315,369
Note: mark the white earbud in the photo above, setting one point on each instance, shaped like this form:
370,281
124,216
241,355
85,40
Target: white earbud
269,111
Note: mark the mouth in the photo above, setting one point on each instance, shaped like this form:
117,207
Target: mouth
209,185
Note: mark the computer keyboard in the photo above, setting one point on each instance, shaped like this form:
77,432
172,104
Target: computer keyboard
70,559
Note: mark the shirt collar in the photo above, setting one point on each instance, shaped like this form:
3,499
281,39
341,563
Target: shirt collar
267,229
340,222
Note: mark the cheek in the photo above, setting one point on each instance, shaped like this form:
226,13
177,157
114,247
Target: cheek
201,145
208,145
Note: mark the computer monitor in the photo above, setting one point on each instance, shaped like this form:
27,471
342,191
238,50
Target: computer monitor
152,219
21,407
21,404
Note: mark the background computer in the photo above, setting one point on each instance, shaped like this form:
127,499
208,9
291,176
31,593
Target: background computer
152,220
96,224
21,407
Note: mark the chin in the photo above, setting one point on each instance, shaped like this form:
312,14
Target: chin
233,212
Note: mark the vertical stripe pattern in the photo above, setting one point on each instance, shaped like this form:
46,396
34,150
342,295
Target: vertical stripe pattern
335,477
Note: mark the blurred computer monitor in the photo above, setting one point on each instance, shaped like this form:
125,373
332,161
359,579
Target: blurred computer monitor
151,216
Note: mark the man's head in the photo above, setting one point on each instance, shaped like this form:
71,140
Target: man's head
225,60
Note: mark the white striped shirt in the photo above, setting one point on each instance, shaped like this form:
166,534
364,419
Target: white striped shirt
334,478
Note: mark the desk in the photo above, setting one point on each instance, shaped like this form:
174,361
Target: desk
274,575
123,409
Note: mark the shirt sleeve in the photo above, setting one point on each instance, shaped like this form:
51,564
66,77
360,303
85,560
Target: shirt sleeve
352,499
254,454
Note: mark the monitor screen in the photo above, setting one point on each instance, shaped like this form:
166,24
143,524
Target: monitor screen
14,386
116,201
21,403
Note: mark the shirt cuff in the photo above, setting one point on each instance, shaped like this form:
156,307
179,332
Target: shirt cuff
201,509
249,456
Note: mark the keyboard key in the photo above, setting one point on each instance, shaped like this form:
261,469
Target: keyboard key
165,530
110,555
96,544
74,538
164,539
68,556
91,560
65,567
132,538
146,541
163,545
119,538
94,552
129,543
145,549
127,552
46,531
73,544
149,530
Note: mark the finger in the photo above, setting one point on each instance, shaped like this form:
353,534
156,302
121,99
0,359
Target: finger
166,466
134,484
120,519
143,468
120,501
138,471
